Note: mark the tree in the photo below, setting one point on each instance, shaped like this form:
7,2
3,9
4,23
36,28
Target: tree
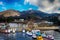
55,20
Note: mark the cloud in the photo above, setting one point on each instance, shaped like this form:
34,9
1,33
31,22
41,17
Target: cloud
1,3
33,2
46,5
30,8
26,1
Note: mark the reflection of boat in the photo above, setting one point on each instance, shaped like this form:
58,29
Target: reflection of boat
46,39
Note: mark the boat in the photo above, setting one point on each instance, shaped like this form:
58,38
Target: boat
4,31
29,33
34,36
50,37
43,35
39,38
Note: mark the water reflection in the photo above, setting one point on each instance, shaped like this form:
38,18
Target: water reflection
15,36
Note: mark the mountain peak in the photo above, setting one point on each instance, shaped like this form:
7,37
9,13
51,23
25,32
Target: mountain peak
8,13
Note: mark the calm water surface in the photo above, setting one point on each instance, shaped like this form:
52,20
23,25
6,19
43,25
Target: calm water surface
22,36
16,36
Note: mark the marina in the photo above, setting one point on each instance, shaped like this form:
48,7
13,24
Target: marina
29,19
22,36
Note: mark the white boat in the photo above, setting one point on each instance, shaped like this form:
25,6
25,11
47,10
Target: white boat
34,36
29,33
50,36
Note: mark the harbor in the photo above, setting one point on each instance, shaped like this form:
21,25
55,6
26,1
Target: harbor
21,36
20,29
29,19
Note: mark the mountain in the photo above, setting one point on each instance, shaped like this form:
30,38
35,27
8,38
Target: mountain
9,13
38,14
34,14
31,13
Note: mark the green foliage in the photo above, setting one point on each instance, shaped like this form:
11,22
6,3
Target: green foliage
56,20
32,16
10,19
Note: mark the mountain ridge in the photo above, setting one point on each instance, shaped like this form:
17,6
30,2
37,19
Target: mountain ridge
24,14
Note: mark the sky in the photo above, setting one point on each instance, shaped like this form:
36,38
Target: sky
47,6
16,5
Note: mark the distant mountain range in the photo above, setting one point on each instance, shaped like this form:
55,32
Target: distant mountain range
10,15
28,14
39,14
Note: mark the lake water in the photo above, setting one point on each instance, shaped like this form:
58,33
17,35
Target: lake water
16,36
22,36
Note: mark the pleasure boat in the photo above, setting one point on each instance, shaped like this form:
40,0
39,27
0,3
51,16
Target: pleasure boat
5,31
34,36
50,37
29,33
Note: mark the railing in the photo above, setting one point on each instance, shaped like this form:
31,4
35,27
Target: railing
43,28
52,28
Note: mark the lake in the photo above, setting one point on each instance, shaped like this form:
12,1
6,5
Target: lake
22,36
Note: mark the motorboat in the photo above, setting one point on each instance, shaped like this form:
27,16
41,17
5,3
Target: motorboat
50,37
4,31
39,38
34,36
35,33
29,33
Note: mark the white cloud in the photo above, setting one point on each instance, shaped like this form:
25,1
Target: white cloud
26,1
30,8
33,2
45,5
1,3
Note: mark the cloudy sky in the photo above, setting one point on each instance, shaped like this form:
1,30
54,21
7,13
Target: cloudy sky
48,6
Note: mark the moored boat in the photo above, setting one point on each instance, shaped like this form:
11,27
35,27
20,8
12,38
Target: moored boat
4,31
29,33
